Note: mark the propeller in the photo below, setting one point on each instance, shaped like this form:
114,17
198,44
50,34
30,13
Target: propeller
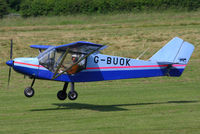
10,62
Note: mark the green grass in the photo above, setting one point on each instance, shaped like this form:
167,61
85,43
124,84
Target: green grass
153,105
162,105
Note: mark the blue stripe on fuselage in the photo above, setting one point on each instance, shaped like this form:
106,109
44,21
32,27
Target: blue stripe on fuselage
109,75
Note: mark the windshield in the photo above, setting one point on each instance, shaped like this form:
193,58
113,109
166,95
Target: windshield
45,52
60,60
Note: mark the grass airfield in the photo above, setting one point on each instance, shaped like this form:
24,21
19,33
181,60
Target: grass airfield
161,105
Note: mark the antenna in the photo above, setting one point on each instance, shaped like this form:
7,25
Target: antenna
142,54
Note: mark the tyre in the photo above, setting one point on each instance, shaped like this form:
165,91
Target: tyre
72,95
29,92
61,95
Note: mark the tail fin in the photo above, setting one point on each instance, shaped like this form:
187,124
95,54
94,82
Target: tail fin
177,51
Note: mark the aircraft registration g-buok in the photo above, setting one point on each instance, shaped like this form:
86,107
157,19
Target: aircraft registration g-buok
82,62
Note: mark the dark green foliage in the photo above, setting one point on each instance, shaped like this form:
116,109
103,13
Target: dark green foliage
66,7
14,4
37,7
3,8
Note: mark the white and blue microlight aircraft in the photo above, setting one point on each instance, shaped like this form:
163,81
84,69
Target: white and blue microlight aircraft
82,62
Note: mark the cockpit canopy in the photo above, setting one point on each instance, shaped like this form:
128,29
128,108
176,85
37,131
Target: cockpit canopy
68,58
54,59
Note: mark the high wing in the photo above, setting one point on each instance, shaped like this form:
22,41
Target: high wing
40,47
58,59
43,47
81,47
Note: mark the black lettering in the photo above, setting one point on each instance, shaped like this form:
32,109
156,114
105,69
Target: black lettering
127,62
121,61
182,59
115,61
96,59
109,60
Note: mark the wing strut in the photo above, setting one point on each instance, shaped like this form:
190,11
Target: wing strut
56,76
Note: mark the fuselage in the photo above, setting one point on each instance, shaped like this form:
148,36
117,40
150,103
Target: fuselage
99,67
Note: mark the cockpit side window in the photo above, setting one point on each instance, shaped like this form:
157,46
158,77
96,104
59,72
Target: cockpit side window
70,61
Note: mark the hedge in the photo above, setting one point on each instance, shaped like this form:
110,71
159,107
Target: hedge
3,8
66,7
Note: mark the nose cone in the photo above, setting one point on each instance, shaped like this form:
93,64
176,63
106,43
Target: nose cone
10,63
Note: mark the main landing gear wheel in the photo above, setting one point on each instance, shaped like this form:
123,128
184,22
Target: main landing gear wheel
29,92
72,95
61,95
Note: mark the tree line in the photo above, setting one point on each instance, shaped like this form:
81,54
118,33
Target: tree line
29,8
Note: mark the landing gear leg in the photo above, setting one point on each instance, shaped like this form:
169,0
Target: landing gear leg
29,91
72,93
62,95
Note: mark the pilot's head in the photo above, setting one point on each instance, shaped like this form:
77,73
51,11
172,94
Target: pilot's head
74,58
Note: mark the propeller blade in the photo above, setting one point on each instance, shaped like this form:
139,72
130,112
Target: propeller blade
11,49
11,54
9,74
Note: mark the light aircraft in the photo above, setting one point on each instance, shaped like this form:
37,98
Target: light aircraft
82,62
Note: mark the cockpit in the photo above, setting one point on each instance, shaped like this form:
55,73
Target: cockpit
59,61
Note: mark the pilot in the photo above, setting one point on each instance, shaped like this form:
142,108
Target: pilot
75,68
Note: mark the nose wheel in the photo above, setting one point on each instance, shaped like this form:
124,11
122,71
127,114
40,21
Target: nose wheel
29,91
72,95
